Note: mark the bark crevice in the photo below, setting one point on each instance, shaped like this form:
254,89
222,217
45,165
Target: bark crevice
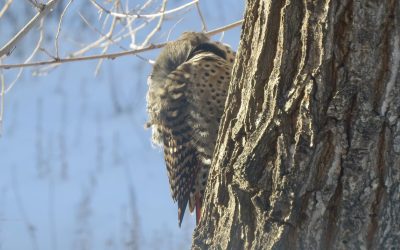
308,152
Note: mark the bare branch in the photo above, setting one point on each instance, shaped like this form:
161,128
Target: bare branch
59,27
203,22
123,15
109,37
35,50
84,58
173,27
5,7
104,36
12,43
222,29
48,53
132,32
97,43
111,55
37,5
158,26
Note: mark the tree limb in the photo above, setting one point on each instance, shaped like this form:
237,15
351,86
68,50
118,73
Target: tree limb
6,50
111,55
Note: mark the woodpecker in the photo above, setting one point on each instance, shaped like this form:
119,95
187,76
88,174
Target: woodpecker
185,102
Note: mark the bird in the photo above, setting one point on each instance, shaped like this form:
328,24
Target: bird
187,89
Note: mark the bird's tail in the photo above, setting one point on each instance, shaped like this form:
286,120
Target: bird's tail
198,208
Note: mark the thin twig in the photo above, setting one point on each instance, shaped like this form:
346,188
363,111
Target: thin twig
111,55
5,7
158,26
203,22
122,34
129,21
48,54
106,36
173,27
12,43
99,43
94,44
105,19
131,33
222,36
222,29
35,4
59,27
84,58
109,37
123,15
35,50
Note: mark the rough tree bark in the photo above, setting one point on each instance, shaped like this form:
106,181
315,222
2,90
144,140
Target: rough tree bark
308,155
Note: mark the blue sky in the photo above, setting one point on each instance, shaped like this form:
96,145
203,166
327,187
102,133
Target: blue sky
75,160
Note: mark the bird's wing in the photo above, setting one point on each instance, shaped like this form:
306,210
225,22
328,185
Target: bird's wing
191,107
177,134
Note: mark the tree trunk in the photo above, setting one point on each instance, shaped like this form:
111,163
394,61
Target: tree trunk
308,155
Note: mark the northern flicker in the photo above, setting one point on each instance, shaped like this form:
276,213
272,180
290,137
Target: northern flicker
185,101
